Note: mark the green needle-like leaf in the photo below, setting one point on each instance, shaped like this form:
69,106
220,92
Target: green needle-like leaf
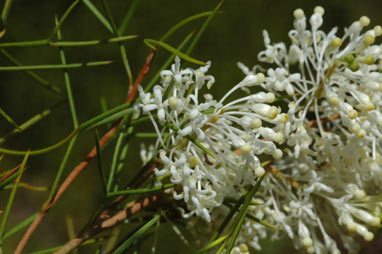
62,19
32,74
20,226
142,191
67,82
152,44
111,178
8,118
184,22
239,220
128,16
99,160
6,9
51,250
54,66
12,196
167,63
203,28
43,150
98,15
40,43
212,244
138,234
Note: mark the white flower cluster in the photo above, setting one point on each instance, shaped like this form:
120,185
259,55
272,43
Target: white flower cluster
327,188
209,147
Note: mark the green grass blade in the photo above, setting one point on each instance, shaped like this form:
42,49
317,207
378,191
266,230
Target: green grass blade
99,160
20,226
128,16
151,43
33,75
203,28
98,15
40,151
62,19
111,178
12,196
54,66
138,234
142,190
8,118
184,22
167,63
67,82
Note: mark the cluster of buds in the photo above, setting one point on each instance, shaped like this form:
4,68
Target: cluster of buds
325,178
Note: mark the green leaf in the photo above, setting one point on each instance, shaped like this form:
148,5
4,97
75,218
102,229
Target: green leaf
105,118
54,66
142,190
67,82
46,84
111,178
8,118
98,15
203,28
239,220
99,160
62,19
184,22
43,150
6,9
167,63
12,196
138,234
20,226
128,16
40,43
212,244
152,44
53,249
30,122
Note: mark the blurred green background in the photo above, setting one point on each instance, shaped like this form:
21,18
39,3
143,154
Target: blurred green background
234,35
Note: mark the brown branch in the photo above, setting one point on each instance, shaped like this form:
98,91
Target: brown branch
134,208
80,167
9,173
142,74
